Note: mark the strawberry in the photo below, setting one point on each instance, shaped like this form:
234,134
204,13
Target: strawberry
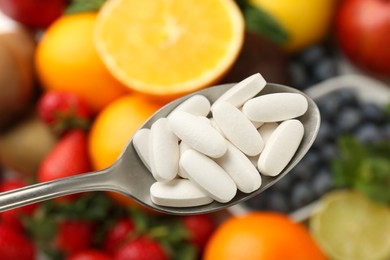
68,157
15,245
200,228
142,248
118,234
73,235
63,110
89,254
13,217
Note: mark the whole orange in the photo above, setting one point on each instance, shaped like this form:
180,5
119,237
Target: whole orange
66,60
115,125
261,236
112,130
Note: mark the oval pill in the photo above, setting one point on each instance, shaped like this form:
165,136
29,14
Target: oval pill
197,105
243,90
275,107
198,134
280,147
240,169
237,128
178,193
208,175
182,148
141,145
163,151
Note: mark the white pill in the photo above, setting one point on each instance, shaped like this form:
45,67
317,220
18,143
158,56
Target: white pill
182,148
213,124
266,130
163,151
141,145
208,175
178,193
237,128
275,107
280,147
244,90
240,169
197,105
198,134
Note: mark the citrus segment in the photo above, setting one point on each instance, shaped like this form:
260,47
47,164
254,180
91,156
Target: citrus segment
168,48
347,225
66,60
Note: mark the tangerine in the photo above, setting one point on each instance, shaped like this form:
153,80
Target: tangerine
112,130
261,235
66,60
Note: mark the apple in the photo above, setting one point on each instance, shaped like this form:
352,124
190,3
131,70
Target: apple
363,34
33,13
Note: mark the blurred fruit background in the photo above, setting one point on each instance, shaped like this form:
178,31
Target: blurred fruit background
76,73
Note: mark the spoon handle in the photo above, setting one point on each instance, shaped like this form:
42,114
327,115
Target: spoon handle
92,181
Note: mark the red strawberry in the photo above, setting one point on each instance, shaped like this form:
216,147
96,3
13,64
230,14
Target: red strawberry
73,235
118,234
13,217
14,245
142,248
200,228
69,157
64,110
89,254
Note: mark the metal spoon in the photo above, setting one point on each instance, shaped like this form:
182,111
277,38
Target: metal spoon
130,177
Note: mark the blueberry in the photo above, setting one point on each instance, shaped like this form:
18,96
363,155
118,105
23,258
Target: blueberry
347,120
324,135
298,75
373,113
329,106
277,202
322,182
302,170
329,151
301,195
369,133
312,55
313,159
285,184
348,97
324,69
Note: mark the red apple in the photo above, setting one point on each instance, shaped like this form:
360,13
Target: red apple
363,33
33,13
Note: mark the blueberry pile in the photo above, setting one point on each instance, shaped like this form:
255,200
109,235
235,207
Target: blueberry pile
314,64
342,114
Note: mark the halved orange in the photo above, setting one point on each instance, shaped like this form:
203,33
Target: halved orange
169,47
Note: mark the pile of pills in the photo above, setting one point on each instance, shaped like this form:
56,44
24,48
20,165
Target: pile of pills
203,152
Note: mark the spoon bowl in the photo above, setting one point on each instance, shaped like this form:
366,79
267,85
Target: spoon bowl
129,176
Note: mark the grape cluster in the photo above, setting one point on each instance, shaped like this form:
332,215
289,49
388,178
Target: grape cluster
314,64
342,113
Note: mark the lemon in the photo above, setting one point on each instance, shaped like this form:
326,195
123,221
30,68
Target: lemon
347,225
306,22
